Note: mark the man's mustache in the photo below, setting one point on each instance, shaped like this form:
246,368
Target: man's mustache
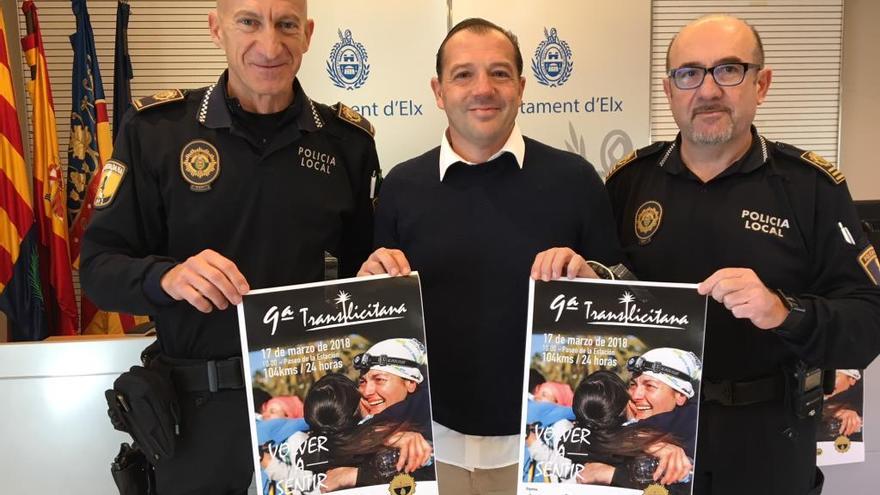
710,108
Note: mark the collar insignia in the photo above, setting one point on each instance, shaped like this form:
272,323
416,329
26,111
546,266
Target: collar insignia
199,164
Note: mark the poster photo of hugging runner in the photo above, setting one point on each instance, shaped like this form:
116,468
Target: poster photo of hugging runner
611,389
338,377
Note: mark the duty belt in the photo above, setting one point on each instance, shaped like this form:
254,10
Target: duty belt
729,393
206,376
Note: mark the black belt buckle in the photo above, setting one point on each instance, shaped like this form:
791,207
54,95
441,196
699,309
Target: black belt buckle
213,382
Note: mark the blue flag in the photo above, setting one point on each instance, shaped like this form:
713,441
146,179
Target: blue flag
122,70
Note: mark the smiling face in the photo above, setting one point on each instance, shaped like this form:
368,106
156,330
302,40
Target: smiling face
480,91
380,390
650,396
711,114
264,42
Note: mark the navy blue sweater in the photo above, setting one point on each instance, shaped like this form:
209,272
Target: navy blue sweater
473,238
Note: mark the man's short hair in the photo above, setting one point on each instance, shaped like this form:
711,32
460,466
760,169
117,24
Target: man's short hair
479,25
759,45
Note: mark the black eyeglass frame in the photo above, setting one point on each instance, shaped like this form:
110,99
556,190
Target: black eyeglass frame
706,70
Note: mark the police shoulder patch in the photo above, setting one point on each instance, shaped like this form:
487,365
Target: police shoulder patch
631,157
111,178
815,160
869,263
160,98
352,117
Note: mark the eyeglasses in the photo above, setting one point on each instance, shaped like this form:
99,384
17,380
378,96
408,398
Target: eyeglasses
730,74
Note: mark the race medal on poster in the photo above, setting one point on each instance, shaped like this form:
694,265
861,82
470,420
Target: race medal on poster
199,164
655,489
402,484
647,221
842,444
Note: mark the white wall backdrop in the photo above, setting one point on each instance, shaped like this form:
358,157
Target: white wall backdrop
598,105
384,69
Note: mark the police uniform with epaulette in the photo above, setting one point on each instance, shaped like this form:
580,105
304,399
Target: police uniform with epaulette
787,215
191,170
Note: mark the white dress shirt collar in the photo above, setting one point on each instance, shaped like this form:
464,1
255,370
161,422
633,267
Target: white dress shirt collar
515,145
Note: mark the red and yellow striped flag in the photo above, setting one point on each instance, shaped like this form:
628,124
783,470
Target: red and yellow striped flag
50,208
21,296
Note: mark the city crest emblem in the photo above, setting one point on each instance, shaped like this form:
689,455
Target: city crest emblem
347,65
648,218
199,164
552,63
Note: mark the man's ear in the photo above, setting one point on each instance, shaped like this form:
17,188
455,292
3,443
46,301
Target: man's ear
410,386
764,77
435,88
214,27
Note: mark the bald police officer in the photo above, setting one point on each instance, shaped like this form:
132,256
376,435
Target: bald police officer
771,232
245,183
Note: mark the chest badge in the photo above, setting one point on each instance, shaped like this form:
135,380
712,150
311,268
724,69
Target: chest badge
647,221
199,164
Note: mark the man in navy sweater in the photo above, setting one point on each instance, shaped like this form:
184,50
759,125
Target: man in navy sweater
476,217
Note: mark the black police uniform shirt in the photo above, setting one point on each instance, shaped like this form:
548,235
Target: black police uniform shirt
782,212
191,171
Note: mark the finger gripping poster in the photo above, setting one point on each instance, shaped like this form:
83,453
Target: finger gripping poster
338,378
611,387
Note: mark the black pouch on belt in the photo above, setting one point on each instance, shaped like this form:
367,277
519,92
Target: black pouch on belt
143,403
132,473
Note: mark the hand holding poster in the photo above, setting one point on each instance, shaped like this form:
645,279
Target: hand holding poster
346,366
612,388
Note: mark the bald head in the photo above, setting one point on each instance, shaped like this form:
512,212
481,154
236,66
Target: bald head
728,26
226,6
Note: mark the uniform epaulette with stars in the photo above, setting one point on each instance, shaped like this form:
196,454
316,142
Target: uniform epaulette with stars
160,98
631,157
348,115
827,168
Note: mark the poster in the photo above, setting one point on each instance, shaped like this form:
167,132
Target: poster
839,438
339,372
611,388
